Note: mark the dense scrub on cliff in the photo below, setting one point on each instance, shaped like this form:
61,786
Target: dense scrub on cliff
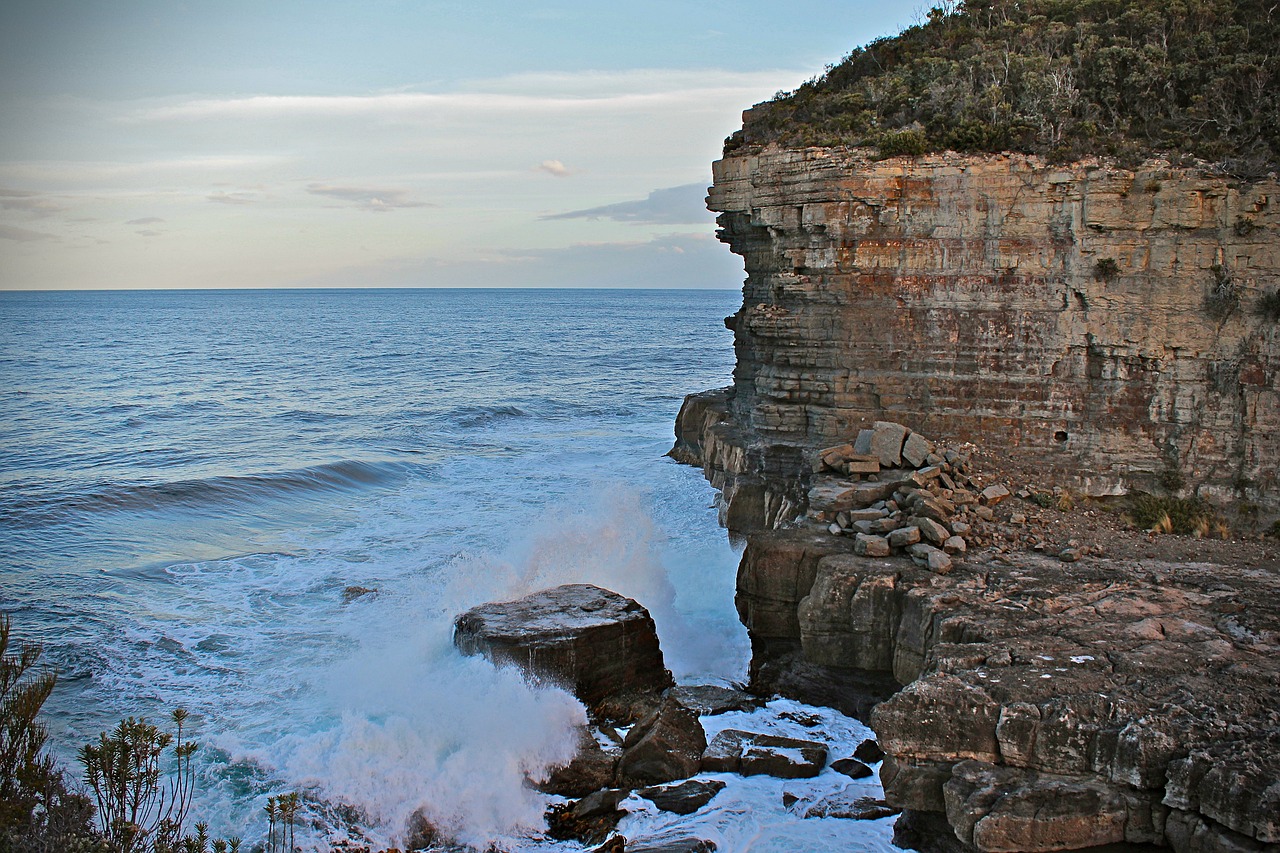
1062,78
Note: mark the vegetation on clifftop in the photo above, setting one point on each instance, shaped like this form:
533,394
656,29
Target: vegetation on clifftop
1061,78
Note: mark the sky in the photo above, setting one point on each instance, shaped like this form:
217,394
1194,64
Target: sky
387,143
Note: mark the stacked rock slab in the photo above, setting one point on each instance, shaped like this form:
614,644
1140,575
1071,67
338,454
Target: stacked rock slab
1060,706
601,646
1054,313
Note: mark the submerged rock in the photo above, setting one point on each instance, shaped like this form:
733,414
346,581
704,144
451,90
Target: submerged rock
851,807
684,798
707,700
851,767
594,642
752,753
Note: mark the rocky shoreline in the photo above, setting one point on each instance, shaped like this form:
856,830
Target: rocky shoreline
1027,702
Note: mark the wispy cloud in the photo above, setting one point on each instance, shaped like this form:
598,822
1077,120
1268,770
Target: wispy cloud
682,205
374,199
554,167
28,201
146,220
231,198
23,235
149,232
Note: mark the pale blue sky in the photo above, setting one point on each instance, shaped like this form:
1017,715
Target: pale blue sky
383,143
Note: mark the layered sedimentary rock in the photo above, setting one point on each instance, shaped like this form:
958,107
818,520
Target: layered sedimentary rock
1053,706
596,643
1086,319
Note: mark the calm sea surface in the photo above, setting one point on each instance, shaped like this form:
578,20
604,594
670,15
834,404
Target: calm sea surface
191,481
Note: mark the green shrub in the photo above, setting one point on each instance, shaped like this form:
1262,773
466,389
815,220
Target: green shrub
1186,516
1223,297
1245,226
1106,269
910,142
1171,479
1268,306
1060,79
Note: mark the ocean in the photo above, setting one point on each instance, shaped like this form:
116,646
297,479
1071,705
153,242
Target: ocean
192,482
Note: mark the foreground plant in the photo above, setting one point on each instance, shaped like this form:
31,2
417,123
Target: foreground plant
140,806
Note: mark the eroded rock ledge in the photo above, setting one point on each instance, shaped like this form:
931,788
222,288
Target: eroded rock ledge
1048,706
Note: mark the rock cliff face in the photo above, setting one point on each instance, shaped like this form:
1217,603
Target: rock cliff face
1097,326
1048,706
1091,321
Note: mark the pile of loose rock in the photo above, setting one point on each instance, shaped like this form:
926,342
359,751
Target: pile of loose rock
895,491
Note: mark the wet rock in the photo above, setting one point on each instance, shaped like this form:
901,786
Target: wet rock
596,643
589,771
707,700
351,593
672,844
616,844
851,767
665,746
684,798
752,753
851,807
869,751
590,820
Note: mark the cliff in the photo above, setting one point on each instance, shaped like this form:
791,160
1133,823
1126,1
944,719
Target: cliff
1102,329
1087,321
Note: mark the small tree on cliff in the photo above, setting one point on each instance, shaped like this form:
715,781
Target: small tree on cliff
37,812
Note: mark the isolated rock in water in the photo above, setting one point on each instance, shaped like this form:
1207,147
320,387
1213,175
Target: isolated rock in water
707,700
751,753
851,767
684,798
589,771
594,642
846,805
665,746
672,844
351,593
869,751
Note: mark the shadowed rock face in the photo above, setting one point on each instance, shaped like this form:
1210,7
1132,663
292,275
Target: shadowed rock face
1053,706
1058,313
596,643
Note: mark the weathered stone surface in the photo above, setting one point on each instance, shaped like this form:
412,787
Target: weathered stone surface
709,700
933,559
916,450
909,289
752,754
1152,685
776,572
672,844
851,806
870,546
886,442
596,643
685,798
904,536
665,746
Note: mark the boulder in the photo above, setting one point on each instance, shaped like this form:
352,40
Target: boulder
992,495
870,546
851,767
665,746
869,751
886,442
904,536
707,700
684,798
589,771
916,450
752,753
590,820
596,643
672,844
852,807
933,559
